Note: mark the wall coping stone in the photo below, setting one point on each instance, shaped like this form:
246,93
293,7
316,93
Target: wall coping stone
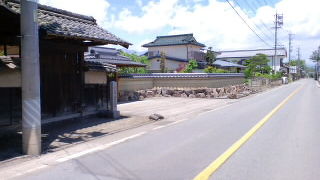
180,75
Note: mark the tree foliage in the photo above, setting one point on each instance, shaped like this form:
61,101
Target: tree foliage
210,56
135,70
257,64
163,62
211,69
299,63
193,64
316,55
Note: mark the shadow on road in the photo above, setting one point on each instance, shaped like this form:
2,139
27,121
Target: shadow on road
54,136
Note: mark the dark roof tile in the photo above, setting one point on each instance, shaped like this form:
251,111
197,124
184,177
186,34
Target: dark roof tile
181,39
57,22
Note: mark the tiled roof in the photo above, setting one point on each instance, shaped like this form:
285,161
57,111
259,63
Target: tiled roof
61,23
250,53
221,63
169,58
111,56
181,75
100,66
182,39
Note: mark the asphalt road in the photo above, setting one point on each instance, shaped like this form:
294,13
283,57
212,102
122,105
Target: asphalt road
286,147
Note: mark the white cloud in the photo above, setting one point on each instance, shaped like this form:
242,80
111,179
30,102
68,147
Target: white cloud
217,25
213,23
156,15
96,8
139,2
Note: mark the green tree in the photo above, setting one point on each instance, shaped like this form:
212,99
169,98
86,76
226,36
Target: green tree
299,63
316,55
135,58
191,66
257,64
211,69
210,56
163,62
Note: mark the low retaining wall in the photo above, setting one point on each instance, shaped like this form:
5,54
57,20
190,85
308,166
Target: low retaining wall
133,82
260,82
130,84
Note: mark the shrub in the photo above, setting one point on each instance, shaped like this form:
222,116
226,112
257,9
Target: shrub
211,69
191,65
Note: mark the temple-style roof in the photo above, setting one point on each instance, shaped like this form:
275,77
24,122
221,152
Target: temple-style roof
181,39
250,53
110,56
170,58
100,66
227,64
60,23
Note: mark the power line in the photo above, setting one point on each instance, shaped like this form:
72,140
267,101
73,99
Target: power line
253,7
247,23
258,27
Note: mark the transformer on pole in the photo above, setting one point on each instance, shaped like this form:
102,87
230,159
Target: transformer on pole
278,24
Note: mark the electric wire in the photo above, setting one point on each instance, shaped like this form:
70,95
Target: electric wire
248,24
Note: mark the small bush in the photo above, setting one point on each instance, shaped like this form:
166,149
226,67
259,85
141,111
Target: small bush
190,66
275,76
211,69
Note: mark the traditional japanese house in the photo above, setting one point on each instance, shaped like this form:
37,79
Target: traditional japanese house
111,56
63,38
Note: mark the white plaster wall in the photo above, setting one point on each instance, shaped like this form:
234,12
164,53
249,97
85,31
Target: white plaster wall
179,51
94,77
10,78
148,83
170,65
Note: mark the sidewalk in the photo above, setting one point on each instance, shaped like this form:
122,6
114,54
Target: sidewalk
61,135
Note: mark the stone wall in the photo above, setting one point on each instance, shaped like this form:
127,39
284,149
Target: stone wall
231,92
130,85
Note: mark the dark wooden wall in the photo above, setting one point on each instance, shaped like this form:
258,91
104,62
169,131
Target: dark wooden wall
62,83
10,106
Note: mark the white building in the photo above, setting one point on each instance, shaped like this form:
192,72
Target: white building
240,56
178,50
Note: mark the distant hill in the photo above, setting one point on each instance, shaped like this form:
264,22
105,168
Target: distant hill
139,53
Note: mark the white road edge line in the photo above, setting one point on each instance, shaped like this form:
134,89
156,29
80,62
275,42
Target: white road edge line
28,171
98,148
37,168
159,127
176,122
219,108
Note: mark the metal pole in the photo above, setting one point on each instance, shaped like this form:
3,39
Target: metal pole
275,43
31,110
290,50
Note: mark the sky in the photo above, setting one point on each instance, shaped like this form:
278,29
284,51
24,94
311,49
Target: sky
213,22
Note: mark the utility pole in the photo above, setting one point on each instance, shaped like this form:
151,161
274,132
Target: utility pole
30,77
290,46
298,64
278,24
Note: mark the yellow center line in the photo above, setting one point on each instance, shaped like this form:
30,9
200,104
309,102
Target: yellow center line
206,173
